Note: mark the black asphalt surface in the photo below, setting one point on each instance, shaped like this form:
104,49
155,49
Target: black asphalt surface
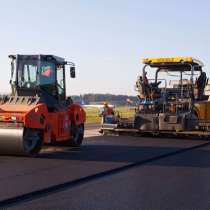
150,186
177,183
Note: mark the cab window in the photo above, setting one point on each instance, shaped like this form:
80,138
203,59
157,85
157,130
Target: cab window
27,74
60,82
47,73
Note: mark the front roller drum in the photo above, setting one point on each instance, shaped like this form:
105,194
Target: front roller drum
24,141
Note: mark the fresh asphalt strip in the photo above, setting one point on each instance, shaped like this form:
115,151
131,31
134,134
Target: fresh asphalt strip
17,200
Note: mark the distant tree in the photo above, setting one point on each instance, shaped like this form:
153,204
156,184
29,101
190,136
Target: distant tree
100,98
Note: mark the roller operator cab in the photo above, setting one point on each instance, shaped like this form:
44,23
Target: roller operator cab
38,112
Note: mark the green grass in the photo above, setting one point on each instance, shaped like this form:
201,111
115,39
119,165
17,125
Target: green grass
125,112
92,114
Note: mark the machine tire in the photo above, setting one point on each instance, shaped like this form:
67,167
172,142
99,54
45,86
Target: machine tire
191,122
137,122
77,135
32,141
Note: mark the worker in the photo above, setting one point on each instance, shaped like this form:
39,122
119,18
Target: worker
141,87
201,84
107,113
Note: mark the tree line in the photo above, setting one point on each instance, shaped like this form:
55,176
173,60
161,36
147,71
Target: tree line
100,98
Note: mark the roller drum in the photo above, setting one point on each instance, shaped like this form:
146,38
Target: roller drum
20,141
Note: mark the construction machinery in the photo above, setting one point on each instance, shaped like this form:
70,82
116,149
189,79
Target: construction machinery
38,112
178,106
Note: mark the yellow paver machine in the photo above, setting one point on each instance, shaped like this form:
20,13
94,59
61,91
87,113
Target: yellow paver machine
173,101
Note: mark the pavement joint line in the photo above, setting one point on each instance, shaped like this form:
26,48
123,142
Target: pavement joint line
38,194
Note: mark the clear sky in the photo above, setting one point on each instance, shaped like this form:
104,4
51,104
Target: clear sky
106,39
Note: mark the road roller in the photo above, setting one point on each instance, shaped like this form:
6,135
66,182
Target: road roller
173,99
38,112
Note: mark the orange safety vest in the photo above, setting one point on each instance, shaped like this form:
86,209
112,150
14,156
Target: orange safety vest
108,110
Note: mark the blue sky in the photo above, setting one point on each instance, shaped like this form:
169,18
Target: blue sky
106,39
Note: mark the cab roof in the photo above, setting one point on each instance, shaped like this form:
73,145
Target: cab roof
40,56
172,61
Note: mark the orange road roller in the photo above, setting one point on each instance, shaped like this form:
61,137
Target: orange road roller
38,112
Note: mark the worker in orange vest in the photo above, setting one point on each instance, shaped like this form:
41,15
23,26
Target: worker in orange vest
106,112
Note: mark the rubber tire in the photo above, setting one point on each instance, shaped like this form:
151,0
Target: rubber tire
29,134
77,135
137,122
